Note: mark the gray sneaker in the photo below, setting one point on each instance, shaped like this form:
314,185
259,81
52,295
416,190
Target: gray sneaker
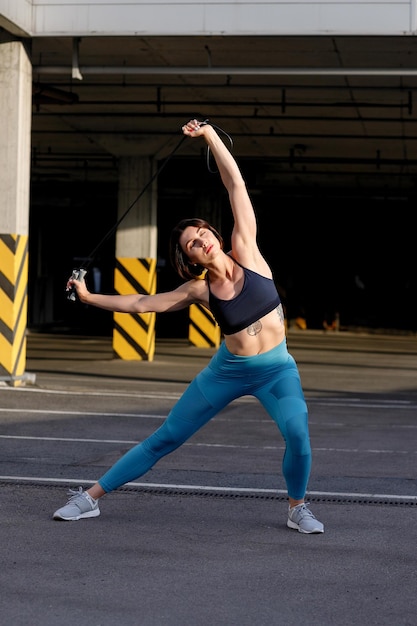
79,506
301,518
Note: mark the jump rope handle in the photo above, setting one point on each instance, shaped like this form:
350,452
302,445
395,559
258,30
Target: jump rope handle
78,275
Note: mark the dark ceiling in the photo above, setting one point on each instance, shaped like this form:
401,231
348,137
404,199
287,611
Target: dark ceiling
321,113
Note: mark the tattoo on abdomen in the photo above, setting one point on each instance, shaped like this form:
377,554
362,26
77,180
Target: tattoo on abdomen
254,328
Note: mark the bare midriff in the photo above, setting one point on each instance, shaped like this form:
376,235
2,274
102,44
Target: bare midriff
261,336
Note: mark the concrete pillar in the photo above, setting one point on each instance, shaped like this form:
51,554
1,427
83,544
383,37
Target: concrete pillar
203,330
15,137
136,255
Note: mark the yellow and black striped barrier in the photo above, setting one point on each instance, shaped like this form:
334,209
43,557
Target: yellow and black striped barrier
203,330
134,334
13,307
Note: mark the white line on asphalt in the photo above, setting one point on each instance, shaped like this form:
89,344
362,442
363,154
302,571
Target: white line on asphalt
254,490
205,445
23,411
80,413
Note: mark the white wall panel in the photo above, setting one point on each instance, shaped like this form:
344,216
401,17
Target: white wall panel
195,17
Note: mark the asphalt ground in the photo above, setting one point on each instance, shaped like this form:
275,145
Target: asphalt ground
202,538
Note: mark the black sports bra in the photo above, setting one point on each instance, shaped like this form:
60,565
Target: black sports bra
258,297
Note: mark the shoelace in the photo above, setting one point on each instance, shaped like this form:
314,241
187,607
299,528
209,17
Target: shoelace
304,508
74,493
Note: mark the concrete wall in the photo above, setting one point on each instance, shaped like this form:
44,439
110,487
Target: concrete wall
16,16
194,17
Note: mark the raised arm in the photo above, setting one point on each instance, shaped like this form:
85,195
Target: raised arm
244,242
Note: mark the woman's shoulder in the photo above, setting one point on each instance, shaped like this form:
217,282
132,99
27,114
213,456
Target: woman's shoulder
197,288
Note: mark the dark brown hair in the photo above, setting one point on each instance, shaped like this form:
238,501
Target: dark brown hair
180,261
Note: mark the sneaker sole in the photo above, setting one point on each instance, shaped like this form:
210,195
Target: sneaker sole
95,513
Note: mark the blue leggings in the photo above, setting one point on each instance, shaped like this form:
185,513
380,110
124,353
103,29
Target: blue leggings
272,377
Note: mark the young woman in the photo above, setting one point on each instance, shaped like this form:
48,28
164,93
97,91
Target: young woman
239,290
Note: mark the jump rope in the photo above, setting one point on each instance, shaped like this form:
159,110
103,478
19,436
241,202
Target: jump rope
78,274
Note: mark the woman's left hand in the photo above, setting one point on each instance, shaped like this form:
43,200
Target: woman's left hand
193,128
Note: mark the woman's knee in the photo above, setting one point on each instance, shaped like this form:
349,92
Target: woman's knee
165,439
298,437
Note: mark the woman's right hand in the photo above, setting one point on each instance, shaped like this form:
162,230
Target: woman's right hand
79,286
